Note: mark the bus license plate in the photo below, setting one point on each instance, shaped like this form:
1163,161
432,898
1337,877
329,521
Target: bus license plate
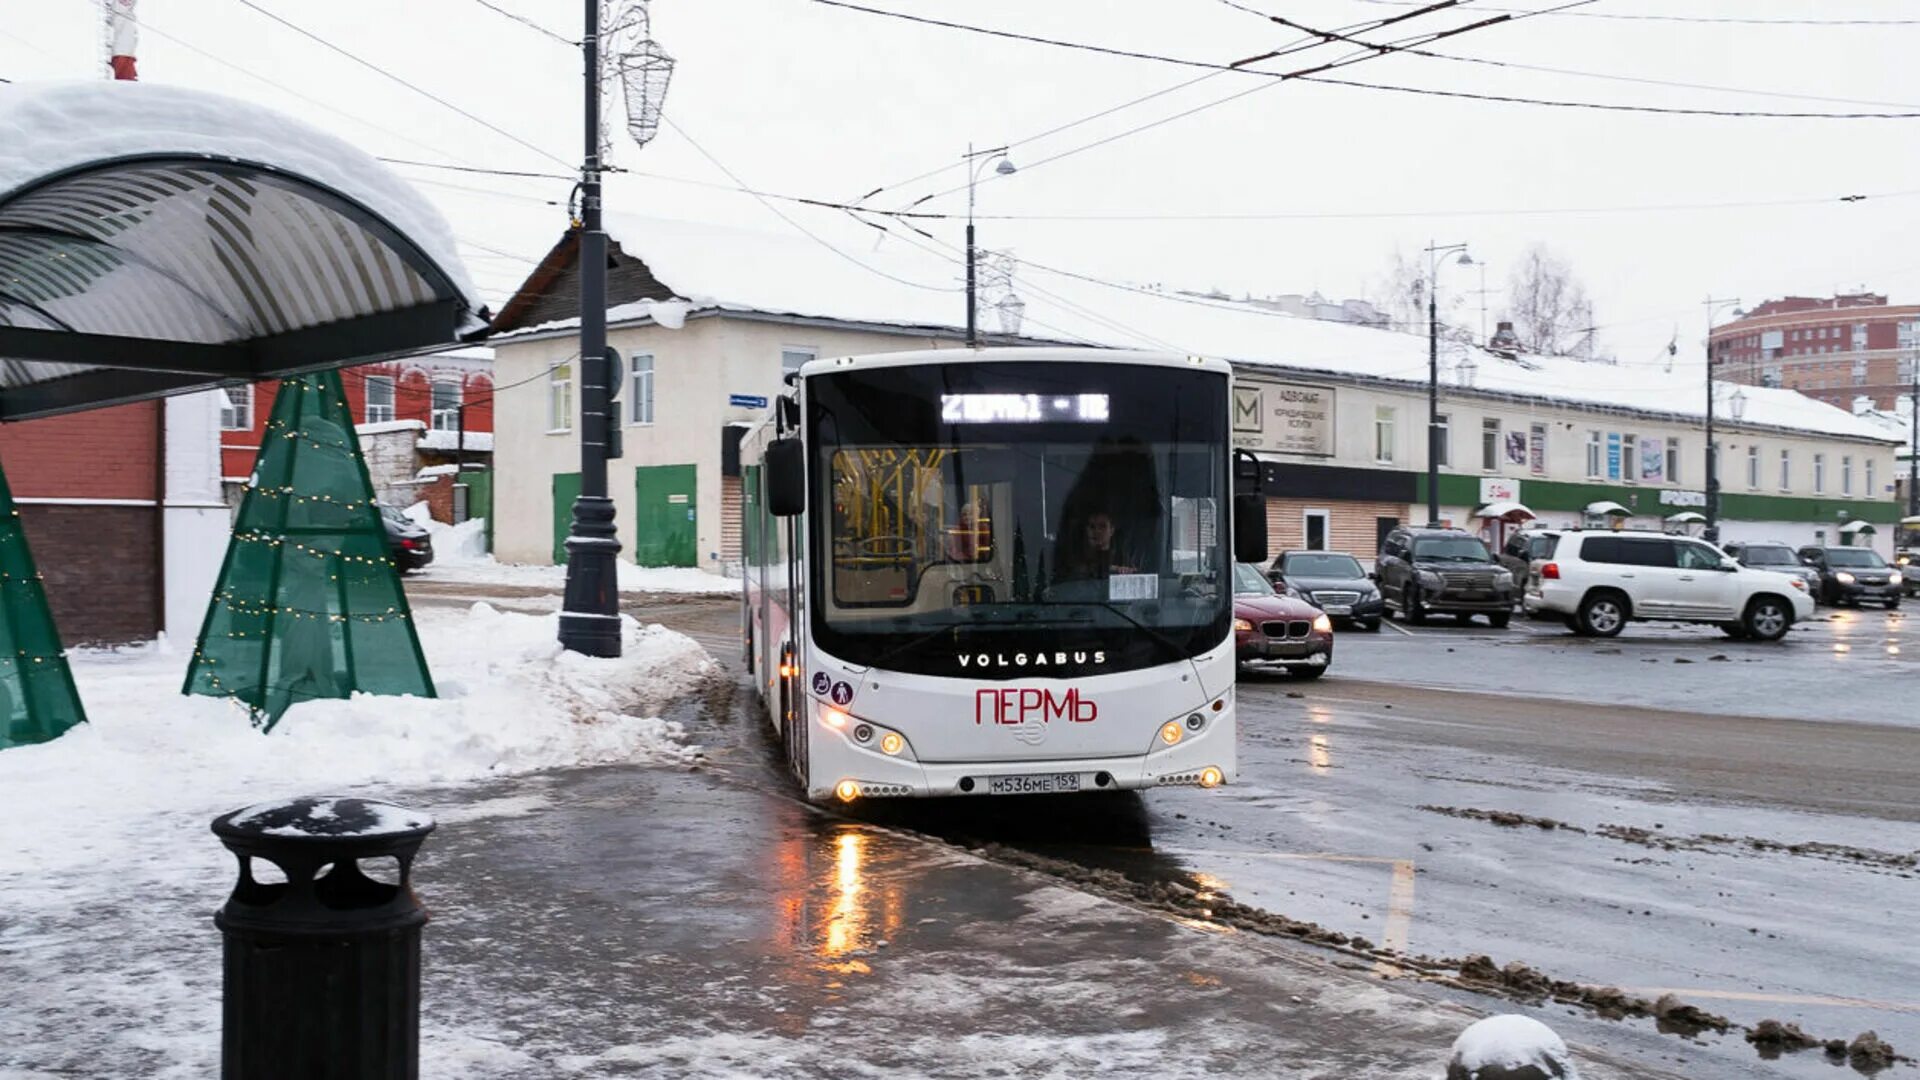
1040,784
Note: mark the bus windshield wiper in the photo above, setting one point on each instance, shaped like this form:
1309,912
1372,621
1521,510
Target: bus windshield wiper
1172,646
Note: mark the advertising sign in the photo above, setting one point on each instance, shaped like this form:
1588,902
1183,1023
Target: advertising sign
1537,450
1516,448
1283,418
1653,461
1613,455
1498,489
1677,497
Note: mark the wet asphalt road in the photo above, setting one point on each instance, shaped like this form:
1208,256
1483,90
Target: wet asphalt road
1739,831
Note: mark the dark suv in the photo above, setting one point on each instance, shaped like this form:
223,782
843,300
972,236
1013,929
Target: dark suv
1776,557
1434,571
1849,575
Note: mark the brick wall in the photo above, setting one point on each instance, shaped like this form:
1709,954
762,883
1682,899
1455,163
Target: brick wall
102,454
101,565
1352,526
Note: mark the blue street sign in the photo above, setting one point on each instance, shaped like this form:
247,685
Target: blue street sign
747,401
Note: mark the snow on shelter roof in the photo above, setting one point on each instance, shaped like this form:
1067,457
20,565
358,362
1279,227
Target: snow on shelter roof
155,240
722,269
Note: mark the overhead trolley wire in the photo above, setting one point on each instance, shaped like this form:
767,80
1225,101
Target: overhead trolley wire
428,94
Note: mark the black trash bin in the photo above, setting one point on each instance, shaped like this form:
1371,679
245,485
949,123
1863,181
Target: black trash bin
322,970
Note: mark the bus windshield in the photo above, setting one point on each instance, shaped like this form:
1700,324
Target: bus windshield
1019,509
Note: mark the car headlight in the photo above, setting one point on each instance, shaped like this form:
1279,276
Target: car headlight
1431,580
1242,624
1843,578
1895,578
1322,624
1503,576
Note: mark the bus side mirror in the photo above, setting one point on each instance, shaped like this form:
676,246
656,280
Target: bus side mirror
1249,528
786,477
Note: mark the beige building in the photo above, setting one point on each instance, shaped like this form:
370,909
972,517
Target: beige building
709,319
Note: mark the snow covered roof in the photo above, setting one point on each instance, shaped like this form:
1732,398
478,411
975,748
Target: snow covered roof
716,270
155,239
383,427
481,441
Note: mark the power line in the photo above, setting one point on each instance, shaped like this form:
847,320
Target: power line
776,211
528,23
1741,20
1664,110
481,169
369,65
1300,45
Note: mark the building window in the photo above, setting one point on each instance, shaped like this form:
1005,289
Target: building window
1490,444
560,398
1443,440
1786,470
791,358
1753,468
1819,473
1537,450
1873,489
1846,474
1673,460
446,404
1594,456
640,393
1629,467
1860,372
1859,337
379,399
1383,434
237,413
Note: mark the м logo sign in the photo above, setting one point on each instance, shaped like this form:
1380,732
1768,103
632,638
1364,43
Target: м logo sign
1011,705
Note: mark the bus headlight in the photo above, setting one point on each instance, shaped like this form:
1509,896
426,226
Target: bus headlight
1210,777
833,718
1171,732
847,790
891,743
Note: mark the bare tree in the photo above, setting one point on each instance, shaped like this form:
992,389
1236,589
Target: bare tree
1548,305
1401,295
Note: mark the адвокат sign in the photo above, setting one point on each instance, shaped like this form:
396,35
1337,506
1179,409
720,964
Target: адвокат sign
1283,418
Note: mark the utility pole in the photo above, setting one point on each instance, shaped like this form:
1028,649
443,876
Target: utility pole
1434,251
1711,533
1913,434
589,614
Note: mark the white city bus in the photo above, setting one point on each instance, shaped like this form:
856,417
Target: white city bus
997,571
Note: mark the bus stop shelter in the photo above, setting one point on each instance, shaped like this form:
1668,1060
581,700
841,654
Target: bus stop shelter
156,240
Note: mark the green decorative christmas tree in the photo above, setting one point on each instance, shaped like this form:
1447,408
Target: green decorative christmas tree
37,698
309,603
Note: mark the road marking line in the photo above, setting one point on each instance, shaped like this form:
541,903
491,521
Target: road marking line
1781,999
1391,625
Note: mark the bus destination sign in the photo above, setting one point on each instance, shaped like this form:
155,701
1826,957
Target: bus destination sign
1023,408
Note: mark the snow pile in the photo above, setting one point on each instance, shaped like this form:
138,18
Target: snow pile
462,543
1510,1047
151,767
111,870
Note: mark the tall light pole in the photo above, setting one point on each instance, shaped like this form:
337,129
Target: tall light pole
589,612
1913,434
976,163
1711,533
1434,251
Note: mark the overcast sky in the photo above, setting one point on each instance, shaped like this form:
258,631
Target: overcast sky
801,98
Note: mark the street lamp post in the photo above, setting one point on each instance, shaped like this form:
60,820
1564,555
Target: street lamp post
1434,251
1711,533
1913,434
976,163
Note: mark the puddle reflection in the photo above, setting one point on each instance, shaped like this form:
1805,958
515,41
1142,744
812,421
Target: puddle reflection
1319,754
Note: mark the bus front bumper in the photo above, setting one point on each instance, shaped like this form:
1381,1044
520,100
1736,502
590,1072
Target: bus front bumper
844,771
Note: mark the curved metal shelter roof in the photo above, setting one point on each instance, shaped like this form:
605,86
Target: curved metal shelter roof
155,240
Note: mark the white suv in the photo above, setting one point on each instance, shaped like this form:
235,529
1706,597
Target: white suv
1600,581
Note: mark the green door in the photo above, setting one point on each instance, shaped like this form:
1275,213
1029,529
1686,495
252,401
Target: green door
664,522
566,488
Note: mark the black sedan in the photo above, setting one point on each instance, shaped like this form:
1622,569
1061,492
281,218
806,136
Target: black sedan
410,545
1332,582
